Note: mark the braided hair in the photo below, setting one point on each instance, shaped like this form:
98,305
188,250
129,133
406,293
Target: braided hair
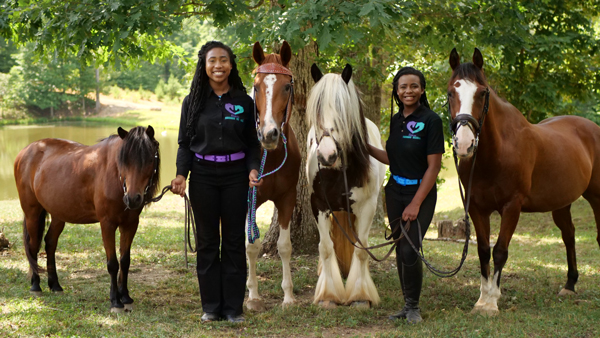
395,97
200,85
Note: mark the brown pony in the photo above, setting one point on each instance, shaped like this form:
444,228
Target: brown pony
518,167
108,182
273,88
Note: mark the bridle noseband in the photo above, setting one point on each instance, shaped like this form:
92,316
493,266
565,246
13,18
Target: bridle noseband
275,68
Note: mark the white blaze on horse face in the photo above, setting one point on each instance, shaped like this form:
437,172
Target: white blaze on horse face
327,149
269,121
465,138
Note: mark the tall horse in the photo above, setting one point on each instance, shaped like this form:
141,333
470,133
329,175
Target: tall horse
273,88
337,142
108,182
516,169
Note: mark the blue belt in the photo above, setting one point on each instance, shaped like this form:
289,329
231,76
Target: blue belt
405,181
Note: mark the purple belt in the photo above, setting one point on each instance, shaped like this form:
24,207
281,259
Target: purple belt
222,158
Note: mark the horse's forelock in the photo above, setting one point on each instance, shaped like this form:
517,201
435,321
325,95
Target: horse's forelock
334,103
468,71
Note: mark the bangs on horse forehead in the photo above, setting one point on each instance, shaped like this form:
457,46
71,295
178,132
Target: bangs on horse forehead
333,104
468,71
138,149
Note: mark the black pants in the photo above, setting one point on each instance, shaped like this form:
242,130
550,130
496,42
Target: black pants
397,198
218,194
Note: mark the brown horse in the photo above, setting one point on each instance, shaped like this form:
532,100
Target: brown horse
273,88
108,182
516,169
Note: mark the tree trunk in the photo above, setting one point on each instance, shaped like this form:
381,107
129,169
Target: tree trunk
304,232
370,86
97,90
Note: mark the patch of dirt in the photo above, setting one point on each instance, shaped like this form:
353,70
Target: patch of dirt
115,107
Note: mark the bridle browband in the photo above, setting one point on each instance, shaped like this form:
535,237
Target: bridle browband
275,68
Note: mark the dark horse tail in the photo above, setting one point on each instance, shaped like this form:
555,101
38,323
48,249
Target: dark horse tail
41,225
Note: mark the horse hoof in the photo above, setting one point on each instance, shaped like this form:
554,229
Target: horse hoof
485,311
128,307
36,293
565,292
256,305
361,304
117,310
288,304
327,304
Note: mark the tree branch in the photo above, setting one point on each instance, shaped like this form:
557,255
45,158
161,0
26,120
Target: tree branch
190,14
257,5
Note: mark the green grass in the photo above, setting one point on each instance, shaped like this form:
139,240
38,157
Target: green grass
167,302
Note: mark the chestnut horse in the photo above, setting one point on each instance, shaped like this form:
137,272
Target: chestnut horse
337,149
517,168
273,89
108,182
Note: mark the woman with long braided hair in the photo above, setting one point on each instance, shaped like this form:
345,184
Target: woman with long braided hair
414,153
219,149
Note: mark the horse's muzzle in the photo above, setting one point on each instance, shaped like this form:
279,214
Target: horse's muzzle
133,202
329,161
270,139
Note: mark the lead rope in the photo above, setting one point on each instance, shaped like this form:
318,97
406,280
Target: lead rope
252,230
189,224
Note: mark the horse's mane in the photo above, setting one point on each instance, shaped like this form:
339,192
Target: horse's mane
138,150
333,103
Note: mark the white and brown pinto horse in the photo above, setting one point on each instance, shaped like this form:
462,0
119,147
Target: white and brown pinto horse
516,169
273,88
338,137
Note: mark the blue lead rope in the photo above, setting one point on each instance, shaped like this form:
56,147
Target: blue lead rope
253,232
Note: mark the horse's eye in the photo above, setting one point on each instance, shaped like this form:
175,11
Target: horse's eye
287,87
449,94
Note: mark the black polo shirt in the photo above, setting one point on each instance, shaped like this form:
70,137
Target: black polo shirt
411,140
225,126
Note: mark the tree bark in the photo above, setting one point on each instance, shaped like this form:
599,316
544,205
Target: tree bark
370,86
304,232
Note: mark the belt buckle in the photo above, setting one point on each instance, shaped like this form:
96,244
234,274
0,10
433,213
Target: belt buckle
221,158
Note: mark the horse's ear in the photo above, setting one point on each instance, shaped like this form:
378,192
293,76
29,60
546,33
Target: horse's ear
454,59
347,73
122,133
285,53
478,58
258,54
316,72
150,132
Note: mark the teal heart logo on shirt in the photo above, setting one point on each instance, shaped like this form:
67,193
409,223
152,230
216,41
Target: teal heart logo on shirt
415,127
234,110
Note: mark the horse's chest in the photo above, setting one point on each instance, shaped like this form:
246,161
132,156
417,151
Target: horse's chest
330,191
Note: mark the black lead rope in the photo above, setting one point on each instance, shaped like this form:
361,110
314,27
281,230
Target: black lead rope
190,224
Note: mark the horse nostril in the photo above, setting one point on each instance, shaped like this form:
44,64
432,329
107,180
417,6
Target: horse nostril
332,158
259,133
273,134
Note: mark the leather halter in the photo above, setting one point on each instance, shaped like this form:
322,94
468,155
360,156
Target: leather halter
275,68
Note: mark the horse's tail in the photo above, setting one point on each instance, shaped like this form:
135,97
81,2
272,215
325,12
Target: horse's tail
341,245
41,225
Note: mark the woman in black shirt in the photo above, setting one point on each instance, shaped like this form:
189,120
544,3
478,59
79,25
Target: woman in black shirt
414,153
219,147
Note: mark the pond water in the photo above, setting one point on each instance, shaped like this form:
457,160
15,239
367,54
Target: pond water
15,138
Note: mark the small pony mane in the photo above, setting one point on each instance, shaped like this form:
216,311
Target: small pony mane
332,103
469,71
138,151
